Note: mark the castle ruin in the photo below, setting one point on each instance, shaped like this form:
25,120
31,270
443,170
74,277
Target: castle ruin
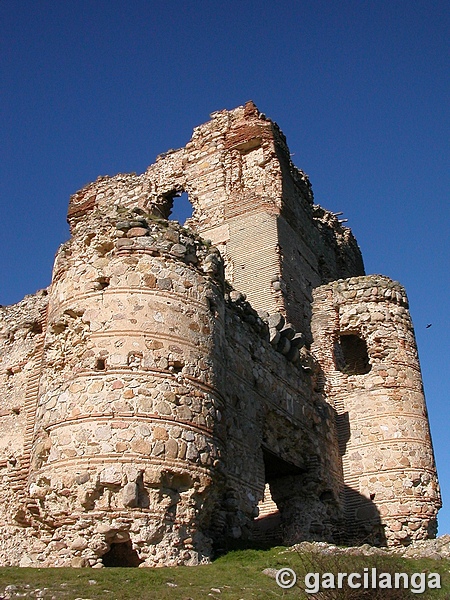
178,386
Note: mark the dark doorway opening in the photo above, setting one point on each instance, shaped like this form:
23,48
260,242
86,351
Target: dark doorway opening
278,473
121,555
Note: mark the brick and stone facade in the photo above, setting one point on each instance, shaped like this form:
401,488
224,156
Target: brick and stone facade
174,380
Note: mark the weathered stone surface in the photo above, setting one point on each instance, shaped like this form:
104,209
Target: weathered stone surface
136,232
274,336
164,283
130,495
178,250
147,402
276,321
79,562
298,340
79,543
288,331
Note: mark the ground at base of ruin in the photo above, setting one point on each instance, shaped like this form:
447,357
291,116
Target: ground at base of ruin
238,575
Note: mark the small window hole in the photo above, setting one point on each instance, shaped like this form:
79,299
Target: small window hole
102,283
351,355
36,327
100,364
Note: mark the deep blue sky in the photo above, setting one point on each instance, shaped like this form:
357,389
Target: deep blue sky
359,87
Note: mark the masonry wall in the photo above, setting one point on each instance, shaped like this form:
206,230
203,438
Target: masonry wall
20,334
254,205
281,432
21,343
135,392
169,383
161,402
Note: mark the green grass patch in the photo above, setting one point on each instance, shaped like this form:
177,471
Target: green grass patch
237,575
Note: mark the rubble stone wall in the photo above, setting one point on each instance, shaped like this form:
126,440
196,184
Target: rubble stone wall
20,333
154,385
252,202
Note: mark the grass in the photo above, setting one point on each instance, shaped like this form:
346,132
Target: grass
236,576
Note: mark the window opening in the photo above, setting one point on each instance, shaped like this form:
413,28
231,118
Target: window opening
100,364
181,209
277,468
351,355
36,327
102,283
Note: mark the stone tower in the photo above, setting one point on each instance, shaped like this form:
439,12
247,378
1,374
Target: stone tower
364,341
172,377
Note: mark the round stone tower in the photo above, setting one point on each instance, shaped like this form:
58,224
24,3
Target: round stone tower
127,436
364,339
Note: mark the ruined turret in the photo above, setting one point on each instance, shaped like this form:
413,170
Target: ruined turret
177,388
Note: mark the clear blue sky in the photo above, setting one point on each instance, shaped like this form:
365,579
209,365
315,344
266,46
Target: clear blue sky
360,88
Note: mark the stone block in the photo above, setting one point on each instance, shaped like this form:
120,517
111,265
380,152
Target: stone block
136,232
79,543
79,562
130,495
141,446
111,476
276,321
178,250
160,433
